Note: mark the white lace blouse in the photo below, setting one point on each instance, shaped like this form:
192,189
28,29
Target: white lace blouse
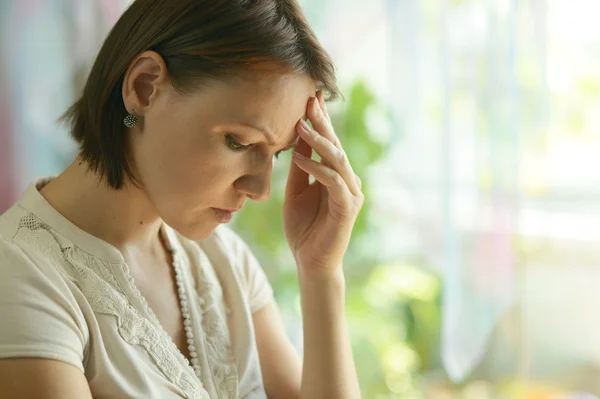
69,296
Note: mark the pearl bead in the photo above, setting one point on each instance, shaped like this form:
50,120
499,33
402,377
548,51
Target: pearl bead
185,313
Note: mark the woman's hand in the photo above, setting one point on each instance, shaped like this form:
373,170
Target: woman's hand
318,218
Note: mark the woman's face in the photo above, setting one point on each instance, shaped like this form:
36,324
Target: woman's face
215,148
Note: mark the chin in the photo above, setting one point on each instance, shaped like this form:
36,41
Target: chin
194,231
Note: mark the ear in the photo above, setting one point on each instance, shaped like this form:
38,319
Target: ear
143,81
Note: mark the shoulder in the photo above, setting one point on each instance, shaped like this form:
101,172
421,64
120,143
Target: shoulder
14,251
46,320
30,254
11,255
11,220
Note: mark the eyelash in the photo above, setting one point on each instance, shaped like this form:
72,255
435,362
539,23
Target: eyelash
235,145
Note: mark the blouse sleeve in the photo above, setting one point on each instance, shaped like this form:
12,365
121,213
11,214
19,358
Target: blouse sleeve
39,316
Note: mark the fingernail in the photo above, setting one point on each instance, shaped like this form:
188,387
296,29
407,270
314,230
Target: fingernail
305,126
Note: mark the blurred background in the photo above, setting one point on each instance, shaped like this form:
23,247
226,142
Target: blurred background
475,126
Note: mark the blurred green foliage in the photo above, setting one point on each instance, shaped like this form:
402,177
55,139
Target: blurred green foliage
393,309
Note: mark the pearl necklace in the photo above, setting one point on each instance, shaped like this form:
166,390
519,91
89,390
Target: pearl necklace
185,313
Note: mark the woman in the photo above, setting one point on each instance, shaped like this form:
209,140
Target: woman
119,278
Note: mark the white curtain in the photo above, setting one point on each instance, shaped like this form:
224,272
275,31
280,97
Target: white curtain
497,111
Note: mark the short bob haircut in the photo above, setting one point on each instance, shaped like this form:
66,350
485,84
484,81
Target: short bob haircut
199,40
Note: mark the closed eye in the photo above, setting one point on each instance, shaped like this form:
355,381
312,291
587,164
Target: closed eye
235,145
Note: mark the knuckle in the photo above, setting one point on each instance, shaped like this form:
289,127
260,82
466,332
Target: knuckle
337,179
361,198
341,157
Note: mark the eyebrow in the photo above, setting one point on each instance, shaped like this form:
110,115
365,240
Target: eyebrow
270,136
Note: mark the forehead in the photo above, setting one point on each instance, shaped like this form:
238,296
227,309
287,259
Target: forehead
275,102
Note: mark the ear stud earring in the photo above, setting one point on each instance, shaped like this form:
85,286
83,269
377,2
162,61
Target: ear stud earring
130,120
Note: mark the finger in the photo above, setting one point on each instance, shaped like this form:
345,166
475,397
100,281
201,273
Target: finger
331,155
320,122
297,178
336,186
321,99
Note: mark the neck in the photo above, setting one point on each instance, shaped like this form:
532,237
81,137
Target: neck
125,219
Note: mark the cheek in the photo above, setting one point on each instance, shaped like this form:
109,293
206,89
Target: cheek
168,147
189,173
186,169
156,160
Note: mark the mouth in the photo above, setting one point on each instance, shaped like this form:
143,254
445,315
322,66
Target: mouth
223,215
228,209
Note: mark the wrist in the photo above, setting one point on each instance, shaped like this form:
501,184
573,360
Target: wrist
322,280
320,273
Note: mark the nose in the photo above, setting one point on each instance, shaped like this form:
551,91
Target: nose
257,186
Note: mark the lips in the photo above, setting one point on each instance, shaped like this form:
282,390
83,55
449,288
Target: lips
223,215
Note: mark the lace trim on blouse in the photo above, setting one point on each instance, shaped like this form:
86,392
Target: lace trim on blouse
96,279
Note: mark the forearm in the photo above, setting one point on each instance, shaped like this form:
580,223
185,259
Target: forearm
328,368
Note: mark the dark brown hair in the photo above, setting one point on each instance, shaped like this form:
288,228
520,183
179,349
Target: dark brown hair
199,40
